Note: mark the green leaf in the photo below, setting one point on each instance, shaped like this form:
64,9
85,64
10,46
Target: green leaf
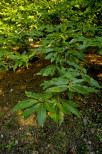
55,117
50,106
33,95
58,88
15,66
47,95
61,117
49,56
66,110
75,80
94,83
73,41
24,104
42,114
70,94
72,103
30,110
77,66
86,77
47,50
46,84
70,108
63,28
49,70
91,81
26,117
82,89
100,51
71,75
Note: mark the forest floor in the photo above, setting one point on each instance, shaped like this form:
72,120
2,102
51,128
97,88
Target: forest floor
74,136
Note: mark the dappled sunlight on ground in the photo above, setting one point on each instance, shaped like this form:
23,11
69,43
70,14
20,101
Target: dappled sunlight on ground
99,75
31,121
1,92
94,59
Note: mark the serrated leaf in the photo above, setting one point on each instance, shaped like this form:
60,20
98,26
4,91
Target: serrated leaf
58,88
54,116
82,89
75,80
94,83
49,56
46,84
30,110
80,55
70,108
72,103
71,75
86,77
24,104
91,81
15,66
47,50
73,41
47,95
52,59
33,95
70,94
55,81
66,110
50,106
59,81
61,117
42,114
49,70
76,65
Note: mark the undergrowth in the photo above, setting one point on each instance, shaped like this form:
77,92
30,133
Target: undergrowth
64,31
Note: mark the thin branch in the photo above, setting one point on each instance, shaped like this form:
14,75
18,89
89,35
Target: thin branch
21,30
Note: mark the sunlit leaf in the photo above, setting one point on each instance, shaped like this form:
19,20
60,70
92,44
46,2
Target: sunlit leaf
58,88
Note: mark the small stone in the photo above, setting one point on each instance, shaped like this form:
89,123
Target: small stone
11,90
85,140
28,133
84,121
89,142
48,146
91,153
35,152
16,141
2,136
101,140
92,130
